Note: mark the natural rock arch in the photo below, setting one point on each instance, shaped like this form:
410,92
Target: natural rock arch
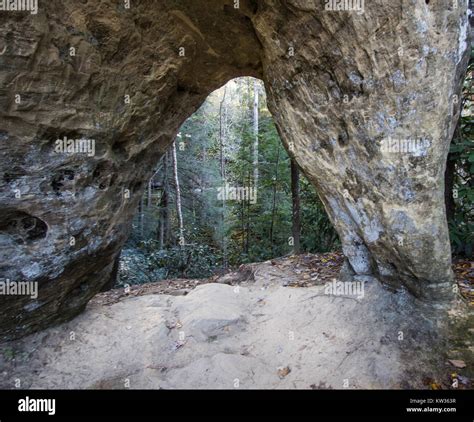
338,83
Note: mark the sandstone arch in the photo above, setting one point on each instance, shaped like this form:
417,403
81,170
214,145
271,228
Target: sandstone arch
338,84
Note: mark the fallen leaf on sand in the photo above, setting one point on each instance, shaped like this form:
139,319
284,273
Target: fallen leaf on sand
457,363
283,372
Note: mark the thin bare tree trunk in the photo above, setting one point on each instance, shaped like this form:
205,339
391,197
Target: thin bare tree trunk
162,230
242,225
255,132
146,205
448,188
275,182
141,218
247,245
164,203
178,196
148,202
222,118
295,196
449,177
222,133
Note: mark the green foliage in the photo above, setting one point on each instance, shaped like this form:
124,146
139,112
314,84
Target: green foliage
193,261
147,263
137,268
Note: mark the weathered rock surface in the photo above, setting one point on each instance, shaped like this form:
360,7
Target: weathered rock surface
256,335
338,83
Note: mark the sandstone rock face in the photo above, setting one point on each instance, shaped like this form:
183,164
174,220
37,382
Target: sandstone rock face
354,91
339,85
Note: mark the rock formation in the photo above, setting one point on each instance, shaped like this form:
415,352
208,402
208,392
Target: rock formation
347,89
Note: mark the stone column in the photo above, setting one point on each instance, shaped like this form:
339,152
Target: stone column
366,101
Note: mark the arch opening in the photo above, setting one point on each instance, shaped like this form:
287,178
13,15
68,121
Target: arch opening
241,197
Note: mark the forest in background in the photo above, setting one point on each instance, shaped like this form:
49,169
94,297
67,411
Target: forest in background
227,193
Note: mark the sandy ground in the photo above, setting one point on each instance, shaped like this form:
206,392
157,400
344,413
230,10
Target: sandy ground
258,333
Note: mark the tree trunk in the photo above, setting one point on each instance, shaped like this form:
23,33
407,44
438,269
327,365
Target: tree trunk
275,182
242,224
247,243
222,133
178,196
161,235
255,133
222,117
149,192
295,196
448,188
449,181
112,281
164,201
141,218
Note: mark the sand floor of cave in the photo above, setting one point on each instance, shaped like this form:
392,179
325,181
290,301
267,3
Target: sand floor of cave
259,334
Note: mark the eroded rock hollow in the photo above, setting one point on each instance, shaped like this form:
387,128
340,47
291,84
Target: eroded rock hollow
348,91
